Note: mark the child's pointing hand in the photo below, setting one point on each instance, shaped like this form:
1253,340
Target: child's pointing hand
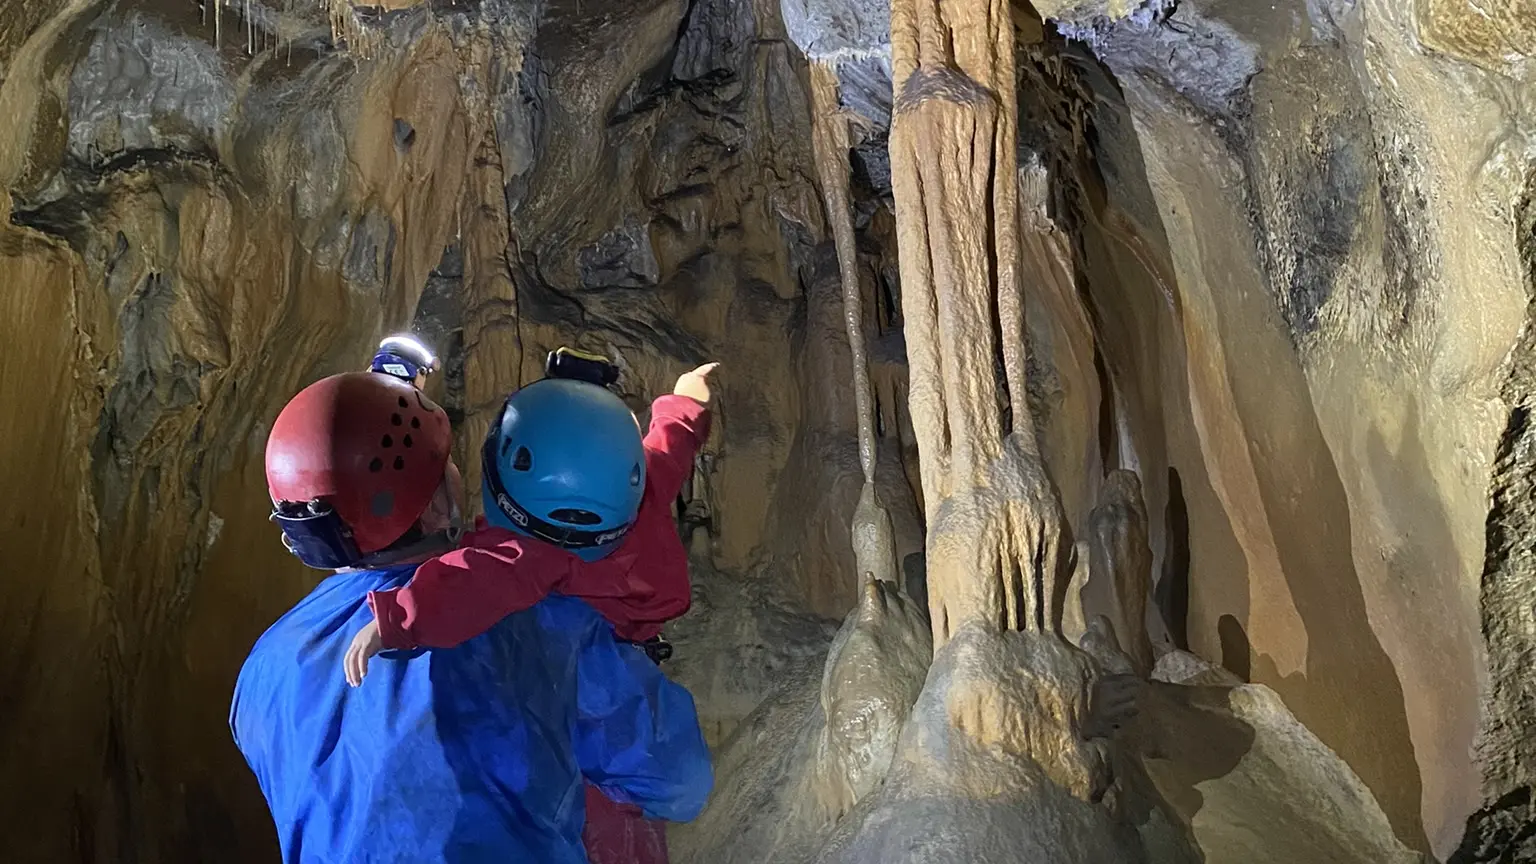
695,384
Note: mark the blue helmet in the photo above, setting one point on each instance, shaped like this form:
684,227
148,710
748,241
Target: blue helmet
564,462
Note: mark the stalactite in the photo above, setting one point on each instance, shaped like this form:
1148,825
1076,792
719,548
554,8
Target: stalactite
360,40
997,545
874,538
494,350
829,135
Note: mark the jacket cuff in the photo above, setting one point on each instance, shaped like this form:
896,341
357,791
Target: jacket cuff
685,411
391,619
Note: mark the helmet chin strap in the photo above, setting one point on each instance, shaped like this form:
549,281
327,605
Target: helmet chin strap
428,545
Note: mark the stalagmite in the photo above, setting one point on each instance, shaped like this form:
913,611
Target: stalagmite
874,672
874,541
1120,565
996,542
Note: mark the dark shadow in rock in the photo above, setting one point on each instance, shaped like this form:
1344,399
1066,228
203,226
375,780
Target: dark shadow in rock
1504,831
1109,451
211,831
914,573
1172,591
1186,736
1236,651
405,136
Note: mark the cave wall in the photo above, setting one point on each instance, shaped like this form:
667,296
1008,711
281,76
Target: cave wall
179,280
1305,272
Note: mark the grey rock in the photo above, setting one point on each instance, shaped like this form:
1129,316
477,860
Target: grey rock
874,672
140,86
1203,58
715,38
835,31
865,88
621,258
370,256
991,768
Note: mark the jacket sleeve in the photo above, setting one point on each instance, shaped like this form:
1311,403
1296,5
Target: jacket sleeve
637,735
679,427
456,597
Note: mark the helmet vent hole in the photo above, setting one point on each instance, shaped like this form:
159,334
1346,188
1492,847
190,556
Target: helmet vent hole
523,461
415,422
575,517
634,476
376,465
396,419
387,442
407,441
399,463
403,403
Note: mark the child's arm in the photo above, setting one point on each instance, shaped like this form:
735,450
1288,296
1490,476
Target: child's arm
456,597
679,427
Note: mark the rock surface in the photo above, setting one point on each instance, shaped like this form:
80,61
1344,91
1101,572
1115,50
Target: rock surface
1254,784
205,212
989,768
812,750
1315,346
1274,263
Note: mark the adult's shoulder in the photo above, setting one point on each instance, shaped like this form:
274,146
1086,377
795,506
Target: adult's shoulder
337,598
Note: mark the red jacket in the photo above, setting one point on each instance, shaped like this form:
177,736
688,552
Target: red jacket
457,596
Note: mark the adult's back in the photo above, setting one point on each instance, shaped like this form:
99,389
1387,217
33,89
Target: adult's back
463,755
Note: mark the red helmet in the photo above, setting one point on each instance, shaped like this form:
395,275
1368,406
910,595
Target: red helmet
368,447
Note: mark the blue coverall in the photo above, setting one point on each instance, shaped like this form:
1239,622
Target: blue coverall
470,754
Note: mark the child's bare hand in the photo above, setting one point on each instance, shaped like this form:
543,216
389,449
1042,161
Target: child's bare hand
695,384
365,644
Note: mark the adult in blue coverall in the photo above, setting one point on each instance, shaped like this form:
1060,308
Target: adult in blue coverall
464,755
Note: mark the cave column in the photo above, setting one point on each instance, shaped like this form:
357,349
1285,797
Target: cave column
874,539
997,545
